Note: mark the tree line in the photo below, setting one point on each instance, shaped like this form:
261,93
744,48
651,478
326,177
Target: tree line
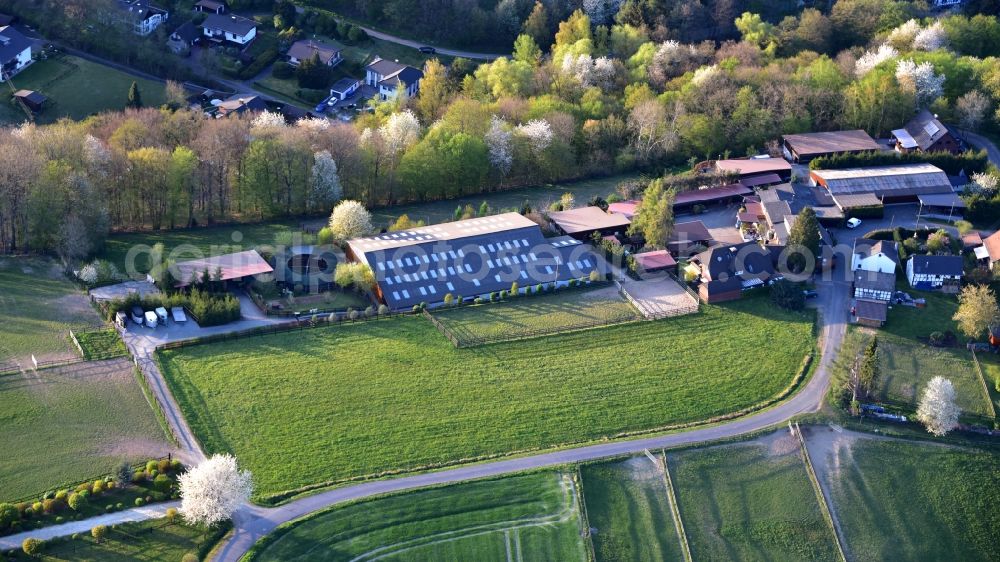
592,103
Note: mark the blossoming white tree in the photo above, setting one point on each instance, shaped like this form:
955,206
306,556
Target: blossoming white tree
901,37
703,74
349,220
267,122
400,130
324,180
212,491
538,132
931,38
984,182
937,409
499,143
921,80
868,61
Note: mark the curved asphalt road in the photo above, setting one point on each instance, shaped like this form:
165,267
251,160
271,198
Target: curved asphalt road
438,50
253,522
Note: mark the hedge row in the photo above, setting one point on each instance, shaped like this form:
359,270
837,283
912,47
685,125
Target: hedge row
970,162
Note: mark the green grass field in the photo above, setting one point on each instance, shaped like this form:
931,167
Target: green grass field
100,344
628,509
527,517
78,88
193,243
327,404
154,540
990,364
909,501
913,323
59,426
750,502
39,307
907,366
529,315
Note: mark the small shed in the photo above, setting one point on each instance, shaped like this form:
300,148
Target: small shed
32,99
871,313
652,262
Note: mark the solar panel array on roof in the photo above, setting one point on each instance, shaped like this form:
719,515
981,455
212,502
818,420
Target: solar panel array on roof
471,258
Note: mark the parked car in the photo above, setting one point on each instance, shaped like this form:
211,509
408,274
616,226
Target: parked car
161,314
150,319
428,50
137,315
810,293
853,222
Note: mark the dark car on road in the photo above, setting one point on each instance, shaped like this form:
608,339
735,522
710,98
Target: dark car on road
428,50
810,293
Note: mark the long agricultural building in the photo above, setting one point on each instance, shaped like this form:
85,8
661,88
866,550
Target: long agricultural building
857,187
470,258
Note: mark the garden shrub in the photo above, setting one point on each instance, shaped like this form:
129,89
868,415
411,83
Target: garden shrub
190,557
282,70
98,487
153,473
119,506
109,508
163,466
163,483
139,502
258,65
172,514
138,476
175,465
50,506
8,515
99,532
37,507
61,495
77,501
83,487
32,546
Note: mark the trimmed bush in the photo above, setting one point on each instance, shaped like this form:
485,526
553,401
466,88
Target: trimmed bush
163,466
138,476
37,507
50,506
109,508
99,532
119,506
8,514
172,515
97,487
77,501
32,546
151,466
61,495
139,502
163,483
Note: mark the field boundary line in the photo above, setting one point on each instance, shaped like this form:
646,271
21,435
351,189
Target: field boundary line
982,381
818,490
584,516
675,510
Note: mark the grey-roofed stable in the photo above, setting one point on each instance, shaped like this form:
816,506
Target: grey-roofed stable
471,258
904,180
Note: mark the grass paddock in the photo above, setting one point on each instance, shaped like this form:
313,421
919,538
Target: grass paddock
329,404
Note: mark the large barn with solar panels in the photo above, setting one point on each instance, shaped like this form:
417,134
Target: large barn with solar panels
470,258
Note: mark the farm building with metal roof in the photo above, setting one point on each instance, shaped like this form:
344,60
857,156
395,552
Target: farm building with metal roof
806,146
470,258
904,182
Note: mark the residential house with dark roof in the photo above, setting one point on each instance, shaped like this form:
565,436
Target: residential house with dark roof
184,37
929,273
386,76
306,49
15,52
210,6
872,291
727,271
804,147
141,16
238,104
875,255
470,258
925,133
344,88
233,29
